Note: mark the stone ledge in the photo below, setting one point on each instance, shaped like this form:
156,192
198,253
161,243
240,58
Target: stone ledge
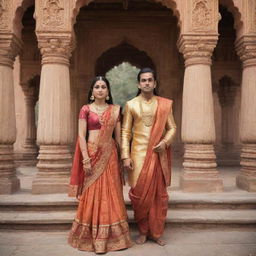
173,216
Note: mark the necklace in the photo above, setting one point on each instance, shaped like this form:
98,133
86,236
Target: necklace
147,116
100,111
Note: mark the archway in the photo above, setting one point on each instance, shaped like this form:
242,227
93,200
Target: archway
122,53
123,82
144,35
123,62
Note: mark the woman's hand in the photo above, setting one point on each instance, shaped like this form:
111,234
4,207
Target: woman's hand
87,167
160,147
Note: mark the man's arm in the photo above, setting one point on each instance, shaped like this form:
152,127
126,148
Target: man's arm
170,129
126,132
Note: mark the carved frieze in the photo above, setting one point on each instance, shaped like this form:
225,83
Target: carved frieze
252,15
52,14
203,15
5,8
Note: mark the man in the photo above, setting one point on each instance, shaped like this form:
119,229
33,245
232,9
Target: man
147,132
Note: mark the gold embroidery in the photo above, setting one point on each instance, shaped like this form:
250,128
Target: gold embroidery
100,238
104,148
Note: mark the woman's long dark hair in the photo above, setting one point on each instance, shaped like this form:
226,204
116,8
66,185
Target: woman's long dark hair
146,70
98,78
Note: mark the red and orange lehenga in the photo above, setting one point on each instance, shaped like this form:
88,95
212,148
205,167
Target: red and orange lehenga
100,224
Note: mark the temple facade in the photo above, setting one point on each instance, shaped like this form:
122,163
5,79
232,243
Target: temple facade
204,53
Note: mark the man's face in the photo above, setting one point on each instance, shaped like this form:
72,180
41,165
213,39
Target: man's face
147,83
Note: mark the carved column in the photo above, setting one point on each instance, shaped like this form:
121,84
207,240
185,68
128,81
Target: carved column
228,152
246,47
54,135
227,93
9,46
198,129
30,149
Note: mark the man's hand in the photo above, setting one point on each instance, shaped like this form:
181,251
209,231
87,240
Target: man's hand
160,147
128,164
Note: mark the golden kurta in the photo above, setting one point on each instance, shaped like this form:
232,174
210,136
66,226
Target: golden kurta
136,129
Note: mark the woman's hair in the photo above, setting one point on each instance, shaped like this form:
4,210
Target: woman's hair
146,70
100,78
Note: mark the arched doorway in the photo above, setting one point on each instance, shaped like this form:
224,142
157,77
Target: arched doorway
145,34
121,65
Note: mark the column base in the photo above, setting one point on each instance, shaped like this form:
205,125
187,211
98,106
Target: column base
246,182
228,155
200,173
246,179
201,185
45,186
53,170
25,159
9,183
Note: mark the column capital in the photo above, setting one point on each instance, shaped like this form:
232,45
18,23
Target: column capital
56,48
30,93
246,49
10,47
197,49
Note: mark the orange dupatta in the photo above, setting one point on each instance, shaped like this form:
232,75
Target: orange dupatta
99,159
142,195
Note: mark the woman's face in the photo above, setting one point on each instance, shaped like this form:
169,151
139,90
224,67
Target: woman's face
100,90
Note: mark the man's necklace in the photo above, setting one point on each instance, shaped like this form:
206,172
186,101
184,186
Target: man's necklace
147,116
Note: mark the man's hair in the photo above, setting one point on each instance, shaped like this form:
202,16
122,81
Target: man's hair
146,70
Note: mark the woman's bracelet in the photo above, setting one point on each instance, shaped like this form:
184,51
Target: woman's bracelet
87,160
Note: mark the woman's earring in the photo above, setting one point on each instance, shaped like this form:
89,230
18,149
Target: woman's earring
92,98
107,98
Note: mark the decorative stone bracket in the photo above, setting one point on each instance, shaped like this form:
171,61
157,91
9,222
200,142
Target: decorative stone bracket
10,47
197,49
56,48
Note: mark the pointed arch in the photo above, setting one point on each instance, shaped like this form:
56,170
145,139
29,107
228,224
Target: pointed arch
19,10
123,52
170,4
236,12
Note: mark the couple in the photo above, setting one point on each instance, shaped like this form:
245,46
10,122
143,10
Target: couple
148,129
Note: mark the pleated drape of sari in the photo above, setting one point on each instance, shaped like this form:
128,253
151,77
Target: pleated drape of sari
149,196
100,224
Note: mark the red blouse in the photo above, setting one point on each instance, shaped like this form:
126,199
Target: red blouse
92,118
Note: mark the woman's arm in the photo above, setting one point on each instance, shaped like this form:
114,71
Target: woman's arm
82,129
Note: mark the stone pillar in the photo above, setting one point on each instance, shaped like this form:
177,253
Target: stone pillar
30,149
246,48
228,151
198,129
227,93
53,134
9,46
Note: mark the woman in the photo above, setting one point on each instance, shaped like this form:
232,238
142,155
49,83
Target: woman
101,220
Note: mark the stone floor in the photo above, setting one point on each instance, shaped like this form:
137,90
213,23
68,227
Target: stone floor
180,242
